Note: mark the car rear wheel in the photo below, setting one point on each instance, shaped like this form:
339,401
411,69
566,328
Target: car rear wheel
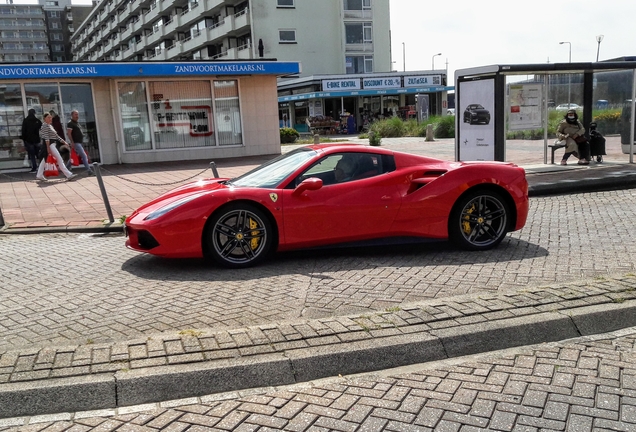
479,220
239,235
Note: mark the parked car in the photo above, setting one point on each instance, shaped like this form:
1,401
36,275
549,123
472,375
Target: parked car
476,114
565,107
333,194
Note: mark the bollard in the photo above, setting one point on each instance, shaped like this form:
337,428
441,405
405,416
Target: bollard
98,175
429,133
1,219
213,168
316,139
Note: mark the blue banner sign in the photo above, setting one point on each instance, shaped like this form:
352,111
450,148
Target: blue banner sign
146,69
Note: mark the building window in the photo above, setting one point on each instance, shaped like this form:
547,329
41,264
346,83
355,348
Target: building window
285,3
357,5
54,14
358,33
228,113
56,36
287,36
55,25
58,47
359,64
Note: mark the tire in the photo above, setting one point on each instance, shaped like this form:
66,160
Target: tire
479,220
239,235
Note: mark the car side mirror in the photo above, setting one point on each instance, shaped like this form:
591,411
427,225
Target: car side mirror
312,183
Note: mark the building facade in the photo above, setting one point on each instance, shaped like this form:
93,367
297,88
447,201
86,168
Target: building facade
39,32
327,36
148,112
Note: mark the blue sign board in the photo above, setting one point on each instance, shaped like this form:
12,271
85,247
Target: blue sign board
145,69
333,94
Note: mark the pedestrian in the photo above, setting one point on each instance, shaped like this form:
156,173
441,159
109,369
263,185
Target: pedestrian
50,138
31,137
76,137
62,147
568,130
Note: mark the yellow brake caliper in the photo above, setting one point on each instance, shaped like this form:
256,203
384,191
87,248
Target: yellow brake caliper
254,241
466,223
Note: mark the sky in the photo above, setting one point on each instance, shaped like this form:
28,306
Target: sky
471,33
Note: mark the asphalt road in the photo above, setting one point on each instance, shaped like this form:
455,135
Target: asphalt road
80,288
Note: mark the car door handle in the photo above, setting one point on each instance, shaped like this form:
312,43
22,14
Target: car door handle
386,198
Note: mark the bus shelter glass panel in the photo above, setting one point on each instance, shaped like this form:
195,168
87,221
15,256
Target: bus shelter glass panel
134,116
79,97
181,113
12,151
612,108
228,113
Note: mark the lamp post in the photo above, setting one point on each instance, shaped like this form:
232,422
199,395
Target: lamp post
569,74
599,39
433,60
403,57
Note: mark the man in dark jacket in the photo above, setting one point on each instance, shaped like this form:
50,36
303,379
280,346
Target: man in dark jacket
31,137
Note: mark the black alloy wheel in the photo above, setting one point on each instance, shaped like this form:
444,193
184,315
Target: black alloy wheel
239,235
479,220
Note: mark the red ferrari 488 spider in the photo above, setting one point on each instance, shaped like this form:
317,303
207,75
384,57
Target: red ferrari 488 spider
333,194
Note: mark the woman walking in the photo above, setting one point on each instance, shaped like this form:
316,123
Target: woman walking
50,137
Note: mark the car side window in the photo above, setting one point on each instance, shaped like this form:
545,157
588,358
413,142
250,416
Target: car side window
345,167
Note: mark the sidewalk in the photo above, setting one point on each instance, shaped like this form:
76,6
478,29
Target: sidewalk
30,206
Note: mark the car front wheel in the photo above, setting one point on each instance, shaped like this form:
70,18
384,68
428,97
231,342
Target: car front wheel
239,235
479,220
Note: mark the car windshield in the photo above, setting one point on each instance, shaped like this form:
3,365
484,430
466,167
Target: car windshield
272,173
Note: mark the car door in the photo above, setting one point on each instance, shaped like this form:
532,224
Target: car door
360,207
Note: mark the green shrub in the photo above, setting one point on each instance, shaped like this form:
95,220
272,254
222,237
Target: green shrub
375,139
389,128
443,127
288,135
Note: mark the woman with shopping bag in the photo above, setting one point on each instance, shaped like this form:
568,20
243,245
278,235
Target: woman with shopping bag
50,138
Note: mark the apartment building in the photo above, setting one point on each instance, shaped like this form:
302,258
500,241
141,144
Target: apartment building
326,36
38,32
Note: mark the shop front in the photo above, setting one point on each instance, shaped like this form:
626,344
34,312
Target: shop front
147,112
348,104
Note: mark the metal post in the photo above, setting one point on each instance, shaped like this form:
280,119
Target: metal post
98,175
214,170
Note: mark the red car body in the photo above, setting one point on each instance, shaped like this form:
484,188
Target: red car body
302,206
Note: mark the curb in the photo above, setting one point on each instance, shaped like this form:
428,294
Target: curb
614,181
160,383
108,228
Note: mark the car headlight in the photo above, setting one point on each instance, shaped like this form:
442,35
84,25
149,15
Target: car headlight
163,210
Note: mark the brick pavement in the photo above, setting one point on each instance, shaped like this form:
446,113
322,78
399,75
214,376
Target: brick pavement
585,384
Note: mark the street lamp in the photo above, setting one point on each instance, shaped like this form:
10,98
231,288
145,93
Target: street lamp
569,74
433,60
599,39
404,56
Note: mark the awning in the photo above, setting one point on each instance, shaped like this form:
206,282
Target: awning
337,94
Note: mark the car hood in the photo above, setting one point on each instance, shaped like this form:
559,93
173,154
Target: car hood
200,187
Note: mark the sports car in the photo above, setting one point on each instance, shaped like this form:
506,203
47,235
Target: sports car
333,194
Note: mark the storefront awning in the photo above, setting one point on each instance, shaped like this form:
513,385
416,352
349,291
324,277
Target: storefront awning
337,94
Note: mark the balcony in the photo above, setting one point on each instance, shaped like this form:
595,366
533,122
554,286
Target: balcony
193,42
219,56
174,51
241,19
126,33
219,30
172,25
209,5
191,15
358,14
244,52
359,47
155,36
151,15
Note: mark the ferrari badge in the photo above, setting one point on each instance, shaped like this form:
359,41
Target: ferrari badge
274,197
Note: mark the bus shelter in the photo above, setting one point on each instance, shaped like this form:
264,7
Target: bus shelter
499,103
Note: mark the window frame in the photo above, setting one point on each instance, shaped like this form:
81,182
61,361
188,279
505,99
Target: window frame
283,41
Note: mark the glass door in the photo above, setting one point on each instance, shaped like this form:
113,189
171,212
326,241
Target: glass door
80,97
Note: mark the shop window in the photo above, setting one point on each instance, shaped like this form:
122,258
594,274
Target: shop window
285,3
12,150
181,114
134,116
287,36
228,113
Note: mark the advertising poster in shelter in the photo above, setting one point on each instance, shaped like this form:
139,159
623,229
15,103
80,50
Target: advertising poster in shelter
476,130
524,101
